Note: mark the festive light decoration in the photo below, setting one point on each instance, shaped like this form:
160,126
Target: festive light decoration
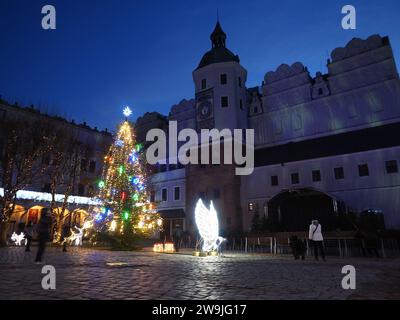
18,238
127,111
43,197
158,247
207,223
124,195
101,184
169,247
113,226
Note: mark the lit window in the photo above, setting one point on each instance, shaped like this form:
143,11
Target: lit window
251,206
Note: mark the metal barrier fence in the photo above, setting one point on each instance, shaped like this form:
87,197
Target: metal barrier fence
341,247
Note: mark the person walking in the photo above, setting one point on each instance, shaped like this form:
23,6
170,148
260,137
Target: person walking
315,236
29,236
43,231
64,235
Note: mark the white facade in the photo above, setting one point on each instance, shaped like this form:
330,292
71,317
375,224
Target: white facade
346,118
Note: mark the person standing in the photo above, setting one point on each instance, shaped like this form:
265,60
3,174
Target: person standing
177,235
29,236
43,231
316,238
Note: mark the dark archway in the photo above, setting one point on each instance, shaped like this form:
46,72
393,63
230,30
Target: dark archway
293,210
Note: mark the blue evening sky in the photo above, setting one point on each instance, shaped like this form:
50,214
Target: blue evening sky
109,53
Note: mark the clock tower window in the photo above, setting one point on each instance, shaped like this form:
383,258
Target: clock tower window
224,78
224,102
203,84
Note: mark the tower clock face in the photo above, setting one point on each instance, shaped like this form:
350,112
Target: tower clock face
205,109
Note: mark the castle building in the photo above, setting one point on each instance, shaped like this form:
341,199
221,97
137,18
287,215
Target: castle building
325,146
81,176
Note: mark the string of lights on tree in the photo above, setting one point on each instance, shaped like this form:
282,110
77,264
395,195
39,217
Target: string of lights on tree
123,187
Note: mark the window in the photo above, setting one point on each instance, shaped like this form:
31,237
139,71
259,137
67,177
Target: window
391,166
251,206
152,196
216,193
241,104
81,190
164,196
255,110
92,166
339,173
240,82
363,170
320,91
177,193
295,178
224,78
316,175
83,164
224,102
203,84
274,181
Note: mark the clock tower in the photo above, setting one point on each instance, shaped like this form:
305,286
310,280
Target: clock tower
220,87
220,103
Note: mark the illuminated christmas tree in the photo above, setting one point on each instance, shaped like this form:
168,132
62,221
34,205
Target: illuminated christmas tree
123,196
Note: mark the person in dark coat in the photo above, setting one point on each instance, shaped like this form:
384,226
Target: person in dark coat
298,248
29,236
66,230
43,231
177,235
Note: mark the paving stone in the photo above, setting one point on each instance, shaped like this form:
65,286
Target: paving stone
84,274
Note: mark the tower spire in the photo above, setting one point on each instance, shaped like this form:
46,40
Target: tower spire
218,36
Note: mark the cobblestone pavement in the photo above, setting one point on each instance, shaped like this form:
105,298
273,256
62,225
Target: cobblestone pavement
100,274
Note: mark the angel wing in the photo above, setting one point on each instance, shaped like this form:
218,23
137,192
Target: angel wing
207,221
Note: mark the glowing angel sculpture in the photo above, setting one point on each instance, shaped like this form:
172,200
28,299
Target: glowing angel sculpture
18,238
207,223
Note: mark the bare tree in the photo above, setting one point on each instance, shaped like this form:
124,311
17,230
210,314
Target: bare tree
24,146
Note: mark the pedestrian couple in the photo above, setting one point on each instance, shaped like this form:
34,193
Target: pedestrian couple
315,237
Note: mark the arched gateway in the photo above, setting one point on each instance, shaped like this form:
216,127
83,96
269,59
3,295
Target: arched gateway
293,210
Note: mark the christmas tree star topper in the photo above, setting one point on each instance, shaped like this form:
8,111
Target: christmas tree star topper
127,111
